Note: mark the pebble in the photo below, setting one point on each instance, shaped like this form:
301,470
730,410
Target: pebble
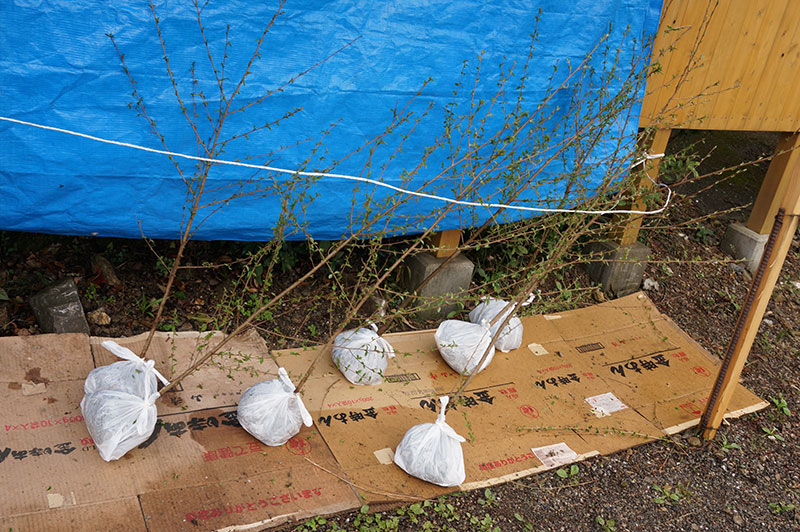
98,317
103,267
650,284
694,441
738,519
766,321
738,268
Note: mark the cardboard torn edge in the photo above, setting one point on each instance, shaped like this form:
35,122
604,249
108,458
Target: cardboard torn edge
519,474
33,389
537,349
56,500
385,456
734,414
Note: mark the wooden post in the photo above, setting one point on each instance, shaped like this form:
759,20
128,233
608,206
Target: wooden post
626,226
445,242
775,184
749,323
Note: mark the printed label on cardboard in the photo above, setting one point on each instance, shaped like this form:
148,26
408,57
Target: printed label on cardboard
605,404
555,455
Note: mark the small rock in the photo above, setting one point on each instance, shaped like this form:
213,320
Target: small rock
99,317
738,268
102,267
695,527
23,332
738,520
650,284
186,326
694,441
768,322
58,309
796,284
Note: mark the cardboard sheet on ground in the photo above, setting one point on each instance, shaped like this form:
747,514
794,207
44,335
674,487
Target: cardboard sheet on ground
585,382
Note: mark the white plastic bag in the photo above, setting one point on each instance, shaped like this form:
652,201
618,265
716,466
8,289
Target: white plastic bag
128,375
361,355
462,344
118,421
511,335
272,412
432,452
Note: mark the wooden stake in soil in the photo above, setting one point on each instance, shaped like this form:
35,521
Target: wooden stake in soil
743,335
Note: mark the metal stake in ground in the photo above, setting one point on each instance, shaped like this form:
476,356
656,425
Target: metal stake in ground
739,346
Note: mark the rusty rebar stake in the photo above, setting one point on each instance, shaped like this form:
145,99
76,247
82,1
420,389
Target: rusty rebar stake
743,315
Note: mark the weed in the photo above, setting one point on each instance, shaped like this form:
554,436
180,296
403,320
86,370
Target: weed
91,292
145,305
773,434
526,525
489,498
607,525
670,495
779,507
572,472
780,404
727,446
704,234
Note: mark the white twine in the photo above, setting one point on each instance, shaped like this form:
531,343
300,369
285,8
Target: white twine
361,179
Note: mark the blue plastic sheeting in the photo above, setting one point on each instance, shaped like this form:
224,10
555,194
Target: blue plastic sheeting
58,68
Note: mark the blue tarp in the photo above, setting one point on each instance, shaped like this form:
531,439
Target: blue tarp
58,67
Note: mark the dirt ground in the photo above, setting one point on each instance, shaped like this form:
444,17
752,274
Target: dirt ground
747,479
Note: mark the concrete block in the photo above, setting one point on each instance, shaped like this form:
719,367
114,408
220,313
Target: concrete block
621,268
743,243
58,309
449,284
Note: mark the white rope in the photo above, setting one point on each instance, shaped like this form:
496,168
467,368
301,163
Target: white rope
357,178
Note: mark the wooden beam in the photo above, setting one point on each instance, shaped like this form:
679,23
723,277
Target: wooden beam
749,322
775,184
445,242
626,227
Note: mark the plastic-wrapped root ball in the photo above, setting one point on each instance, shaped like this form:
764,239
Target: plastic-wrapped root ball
130,375
511,336
118,421
462,344
361,355
432,452
272,412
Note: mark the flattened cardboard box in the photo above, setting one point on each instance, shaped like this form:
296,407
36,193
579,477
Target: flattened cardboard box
585,382
198,471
